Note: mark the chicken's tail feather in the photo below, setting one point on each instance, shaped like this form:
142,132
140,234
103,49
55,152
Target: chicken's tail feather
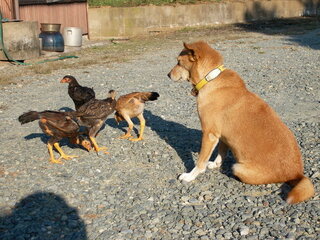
29,117
150,96
112,94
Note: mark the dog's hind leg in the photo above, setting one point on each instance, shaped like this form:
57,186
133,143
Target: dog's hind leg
251,175
209,142
222,152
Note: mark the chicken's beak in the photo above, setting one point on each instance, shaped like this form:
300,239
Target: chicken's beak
87,145
63,80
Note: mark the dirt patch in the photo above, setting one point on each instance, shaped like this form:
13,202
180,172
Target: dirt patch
114,51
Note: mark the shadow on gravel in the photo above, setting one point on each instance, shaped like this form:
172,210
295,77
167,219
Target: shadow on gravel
44,138
66,109
304,31
43,216
183,140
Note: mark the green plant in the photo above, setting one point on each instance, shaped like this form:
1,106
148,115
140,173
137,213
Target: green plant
134,3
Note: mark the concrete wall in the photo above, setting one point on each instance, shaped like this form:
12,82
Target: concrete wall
107,22
21,40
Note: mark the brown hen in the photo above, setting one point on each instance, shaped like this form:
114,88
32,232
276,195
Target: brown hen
57,125
130,106
93,114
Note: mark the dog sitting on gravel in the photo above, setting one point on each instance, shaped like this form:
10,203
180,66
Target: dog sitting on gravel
265,149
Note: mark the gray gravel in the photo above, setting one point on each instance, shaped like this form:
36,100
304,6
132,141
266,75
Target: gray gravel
133,193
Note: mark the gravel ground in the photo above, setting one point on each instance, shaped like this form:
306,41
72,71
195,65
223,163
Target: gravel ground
133,192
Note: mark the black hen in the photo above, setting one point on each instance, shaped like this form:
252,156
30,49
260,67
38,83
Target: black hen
57,125
79,94
93,114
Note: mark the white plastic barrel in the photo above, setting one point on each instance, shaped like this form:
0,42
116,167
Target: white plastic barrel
72,36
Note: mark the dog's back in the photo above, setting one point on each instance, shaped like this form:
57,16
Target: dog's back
265,149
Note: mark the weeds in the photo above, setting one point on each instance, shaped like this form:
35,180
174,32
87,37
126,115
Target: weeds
134,3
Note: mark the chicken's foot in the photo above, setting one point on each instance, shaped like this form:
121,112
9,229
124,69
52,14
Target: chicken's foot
62,154
127,135
96,147
52,159
142,125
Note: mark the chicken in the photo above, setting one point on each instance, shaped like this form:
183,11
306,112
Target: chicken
93,114
130,106
79,94
57,125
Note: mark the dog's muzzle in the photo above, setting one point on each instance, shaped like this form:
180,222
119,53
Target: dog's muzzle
178,74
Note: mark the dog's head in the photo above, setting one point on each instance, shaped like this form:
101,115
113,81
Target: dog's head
195,61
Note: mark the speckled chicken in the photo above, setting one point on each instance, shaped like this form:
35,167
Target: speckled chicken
93,114
130,106
79,94
57,125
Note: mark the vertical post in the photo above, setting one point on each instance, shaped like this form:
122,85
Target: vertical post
87,16
16,10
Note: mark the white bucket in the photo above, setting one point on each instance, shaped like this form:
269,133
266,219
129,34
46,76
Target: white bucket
72,36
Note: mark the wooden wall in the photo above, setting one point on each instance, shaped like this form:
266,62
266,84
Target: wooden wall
68,14
6,8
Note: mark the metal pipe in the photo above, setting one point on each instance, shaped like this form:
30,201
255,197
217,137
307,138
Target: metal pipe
16,10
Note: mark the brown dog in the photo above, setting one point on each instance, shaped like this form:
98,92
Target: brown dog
265,149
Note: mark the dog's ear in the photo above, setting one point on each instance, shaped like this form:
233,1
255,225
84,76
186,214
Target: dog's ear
191,52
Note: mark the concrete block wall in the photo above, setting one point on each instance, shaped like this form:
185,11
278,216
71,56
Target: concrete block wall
108,22
21,40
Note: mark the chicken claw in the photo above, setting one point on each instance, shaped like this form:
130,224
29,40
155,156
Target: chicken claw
136,139
125,136
57,161
96,147
67,157
52,159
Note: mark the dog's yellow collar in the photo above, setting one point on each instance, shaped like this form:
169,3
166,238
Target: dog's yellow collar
210,76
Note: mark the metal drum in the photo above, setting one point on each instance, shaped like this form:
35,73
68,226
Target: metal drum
72,36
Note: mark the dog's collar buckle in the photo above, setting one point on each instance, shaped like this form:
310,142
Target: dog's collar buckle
210,76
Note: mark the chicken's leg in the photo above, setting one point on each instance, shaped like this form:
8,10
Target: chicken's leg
62,154
128,133
142,125
96,147
50,147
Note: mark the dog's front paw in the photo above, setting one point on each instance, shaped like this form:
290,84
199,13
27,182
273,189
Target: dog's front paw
187,177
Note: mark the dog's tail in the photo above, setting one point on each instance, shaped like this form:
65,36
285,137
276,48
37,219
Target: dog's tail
302,190
29,117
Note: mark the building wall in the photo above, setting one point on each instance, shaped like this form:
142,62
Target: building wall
6,8
68,15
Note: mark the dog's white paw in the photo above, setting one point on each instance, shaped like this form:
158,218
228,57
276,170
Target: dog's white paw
212,165
187,177
216,163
